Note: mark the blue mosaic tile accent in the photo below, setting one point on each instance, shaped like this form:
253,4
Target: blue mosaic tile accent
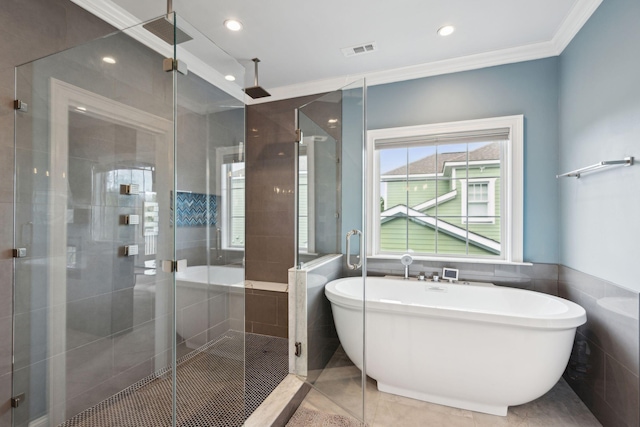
192,209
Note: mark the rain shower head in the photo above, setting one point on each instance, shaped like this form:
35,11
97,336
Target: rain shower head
256,91
164,29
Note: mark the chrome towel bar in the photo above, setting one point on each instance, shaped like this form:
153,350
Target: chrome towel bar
627,161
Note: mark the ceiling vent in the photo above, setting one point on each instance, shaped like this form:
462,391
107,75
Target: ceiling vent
359,49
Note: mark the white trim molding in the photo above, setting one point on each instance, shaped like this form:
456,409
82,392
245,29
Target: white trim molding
63,98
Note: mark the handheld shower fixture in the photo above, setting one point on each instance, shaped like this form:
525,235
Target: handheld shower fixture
406,260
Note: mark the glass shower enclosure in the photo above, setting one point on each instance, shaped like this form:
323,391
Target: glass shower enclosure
128,272
330,243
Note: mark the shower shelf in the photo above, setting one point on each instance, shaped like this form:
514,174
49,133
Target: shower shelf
627,161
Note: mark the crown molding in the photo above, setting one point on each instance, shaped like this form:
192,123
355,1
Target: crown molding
577,17
446,66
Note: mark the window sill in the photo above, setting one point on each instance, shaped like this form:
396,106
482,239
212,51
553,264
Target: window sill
451,259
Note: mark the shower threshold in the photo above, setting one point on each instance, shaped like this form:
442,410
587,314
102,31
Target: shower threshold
214,387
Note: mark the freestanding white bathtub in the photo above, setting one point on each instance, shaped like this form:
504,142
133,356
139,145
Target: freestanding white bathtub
481,348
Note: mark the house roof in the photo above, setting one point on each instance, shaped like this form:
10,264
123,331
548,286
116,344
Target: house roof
427,165
402,211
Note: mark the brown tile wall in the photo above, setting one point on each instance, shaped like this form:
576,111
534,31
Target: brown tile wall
269,201
267,313
28,30
269,189
270,183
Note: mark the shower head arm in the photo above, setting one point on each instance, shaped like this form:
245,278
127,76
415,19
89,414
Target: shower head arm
255,75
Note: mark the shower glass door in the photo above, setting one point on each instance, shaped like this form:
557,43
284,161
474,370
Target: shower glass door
209,231
330,207
119,175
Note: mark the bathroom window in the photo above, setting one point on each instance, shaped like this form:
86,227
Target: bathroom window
304,238
451,190
233,218
230,212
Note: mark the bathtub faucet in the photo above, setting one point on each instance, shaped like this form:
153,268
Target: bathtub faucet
406,260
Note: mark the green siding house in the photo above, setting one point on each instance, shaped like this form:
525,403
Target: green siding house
444,204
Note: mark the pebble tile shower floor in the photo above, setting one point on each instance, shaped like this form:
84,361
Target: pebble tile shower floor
210,387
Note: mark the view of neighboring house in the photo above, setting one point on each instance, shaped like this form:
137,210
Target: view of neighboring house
444,203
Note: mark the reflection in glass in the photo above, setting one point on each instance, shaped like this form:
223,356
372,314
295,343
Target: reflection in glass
330,207
319,177
98,180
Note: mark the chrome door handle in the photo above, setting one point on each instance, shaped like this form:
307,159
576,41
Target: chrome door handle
349,234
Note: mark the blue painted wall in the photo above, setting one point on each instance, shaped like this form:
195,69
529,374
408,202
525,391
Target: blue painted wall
528,88
353,125
600,120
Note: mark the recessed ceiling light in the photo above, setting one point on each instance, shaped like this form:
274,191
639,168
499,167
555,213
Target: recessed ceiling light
230,78
109,60
82,109
233,25
446,30
332,121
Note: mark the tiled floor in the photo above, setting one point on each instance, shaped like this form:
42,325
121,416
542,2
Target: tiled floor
340,381
215,388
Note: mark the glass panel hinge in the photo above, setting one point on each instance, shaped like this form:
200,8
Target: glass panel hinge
20,252
17,400
173,266
170,64
20,106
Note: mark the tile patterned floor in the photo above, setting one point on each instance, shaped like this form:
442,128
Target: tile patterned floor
214,387
340,381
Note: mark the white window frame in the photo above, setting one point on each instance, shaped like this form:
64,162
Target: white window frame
224,190
511,184
308,142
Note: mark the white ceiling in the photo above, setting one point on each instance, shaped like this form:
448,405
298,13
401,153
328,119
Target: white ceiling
299,41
